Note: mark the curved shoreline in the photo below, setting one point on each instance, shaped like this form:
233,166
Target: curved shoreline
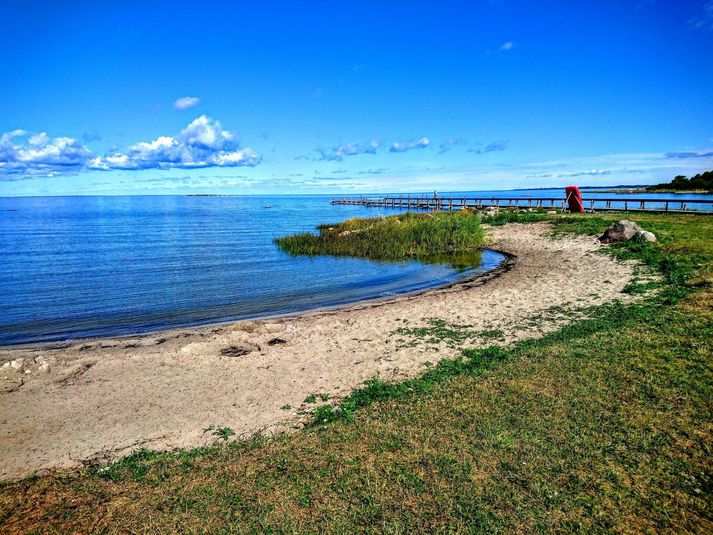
98,400
62,344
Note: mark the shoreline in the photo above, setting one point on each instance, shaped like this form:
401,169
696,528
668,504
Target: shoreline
644,191
97,401
63,344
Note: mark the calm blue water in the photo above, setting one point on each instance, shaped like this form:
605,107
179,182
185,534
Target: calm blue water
88,266
73,267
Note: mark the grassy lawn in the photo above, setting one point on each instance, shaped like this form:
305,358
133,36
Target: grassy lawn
605,425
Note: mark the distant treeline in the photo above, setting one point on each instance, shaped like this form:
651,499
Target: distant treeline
702,181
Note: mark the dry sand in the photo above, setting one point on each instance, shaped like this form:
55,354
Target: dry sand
95,400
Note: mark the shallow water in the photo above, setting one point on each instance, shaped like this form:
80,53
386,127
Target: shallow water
73,267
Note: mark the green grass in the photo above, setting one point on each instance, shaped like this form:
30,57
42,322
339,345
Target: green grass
391,238
438,330
604,425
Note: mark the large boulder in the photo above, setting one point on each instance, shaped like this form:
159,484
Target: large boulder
626,230
618,231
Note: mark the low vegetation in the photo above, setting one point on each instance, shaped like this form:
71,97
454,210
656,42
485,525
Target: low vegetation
604,425
391,238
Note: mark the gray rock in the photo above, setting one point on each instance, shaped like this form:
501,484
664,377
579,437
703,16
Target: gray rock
644,236
621,230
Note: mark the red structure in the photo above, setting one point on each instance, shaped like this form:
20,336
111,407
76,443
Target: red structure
574,199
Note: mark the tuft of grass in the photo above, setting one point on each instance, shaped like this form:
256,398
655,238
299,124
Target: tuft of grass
223,433
395,237
453,334
510,216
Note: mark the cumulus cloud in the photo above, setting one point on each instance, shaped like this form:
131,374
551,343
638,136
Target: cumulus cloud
351,149
21,152
184,103
507,46
398,146
203,143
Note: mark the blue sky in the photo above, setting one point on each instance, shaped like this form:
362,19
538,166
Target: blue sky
331,97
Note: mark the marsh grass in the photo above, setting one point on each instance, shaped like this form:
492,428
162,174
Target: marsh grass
395,237
602,426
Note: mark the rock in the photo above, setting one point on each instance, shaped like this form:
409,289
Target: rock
552,212
344,234
644,236
17,364
621,230
43,364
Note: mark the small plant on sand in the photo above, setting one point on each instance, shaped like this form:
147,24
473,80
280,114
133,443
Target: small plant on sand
454,335
223,433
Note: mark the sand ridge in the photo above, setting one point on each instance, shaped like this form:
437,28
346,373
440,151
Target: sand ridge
96,400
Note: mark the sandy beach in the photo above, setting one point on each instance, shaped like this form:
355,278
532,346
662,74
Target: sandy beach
99,399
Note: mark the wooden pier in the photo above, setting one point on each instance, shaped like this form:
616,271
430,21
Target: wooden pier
448,203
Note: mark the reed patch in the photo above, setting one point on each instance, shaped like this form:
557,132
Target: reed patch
396,237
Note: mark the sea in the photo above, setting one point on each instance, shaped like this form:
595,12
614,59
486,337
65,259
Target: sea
77,267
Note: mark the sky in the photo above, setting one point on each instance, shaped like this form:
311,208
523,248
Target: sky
125,98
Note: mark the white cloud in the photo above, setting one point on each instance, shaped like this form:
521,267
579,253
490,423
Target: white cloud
21,153
184,103
398,146
574,174
203,143
507,46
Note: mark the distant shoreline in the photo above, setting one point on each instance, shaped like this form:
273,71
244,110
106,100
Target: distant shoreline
638,191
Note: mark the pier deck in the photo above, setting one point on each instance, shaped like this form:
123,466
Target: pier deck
613,204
